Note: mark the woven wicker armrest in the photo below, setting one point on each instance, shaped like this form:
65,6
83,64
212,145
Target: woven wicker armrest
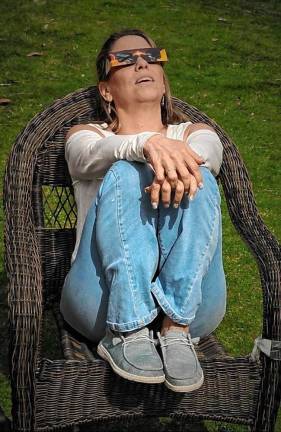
266,250
248,222
263,245
23,266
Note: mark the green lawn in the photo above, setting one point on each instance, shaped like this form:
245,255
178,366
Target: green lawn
224,59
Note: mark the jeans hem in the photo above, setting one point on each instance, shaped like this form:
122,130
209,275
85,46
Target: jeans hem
166,307
134,325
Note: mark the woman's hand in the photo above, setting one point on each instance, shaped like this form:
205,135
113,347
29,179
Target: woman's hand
174,160
165,191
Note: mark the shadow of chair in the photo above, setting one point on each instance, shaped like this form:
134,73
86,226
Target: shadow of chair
78,387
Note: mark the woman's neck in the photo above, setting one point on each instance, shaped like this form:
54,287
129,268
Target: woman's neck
141,119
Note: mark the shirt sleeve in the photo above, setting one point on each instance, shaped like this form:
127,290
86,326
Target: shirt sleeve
207,144
89,156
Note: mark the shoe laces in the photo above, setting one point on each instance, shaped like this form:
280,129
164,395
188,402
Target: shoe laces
137,337
172,340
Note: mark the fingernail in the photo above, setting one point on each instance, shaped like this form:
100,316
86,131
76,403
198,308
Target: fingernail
176,205
191,197
154,205
167,205
201,185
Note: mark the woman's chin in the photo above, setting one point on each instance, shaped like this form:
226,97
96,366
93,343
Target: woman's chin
148,97
148,92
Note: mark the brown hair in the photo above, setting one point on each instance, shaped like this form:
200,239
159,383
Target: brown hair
170,114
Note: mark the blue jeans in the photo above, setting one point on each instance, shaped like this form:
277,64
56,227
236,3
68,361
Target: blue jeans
133,260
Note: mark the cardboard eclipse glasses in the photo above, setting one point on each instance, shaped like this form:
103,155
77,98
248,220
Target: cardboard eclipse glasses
129,57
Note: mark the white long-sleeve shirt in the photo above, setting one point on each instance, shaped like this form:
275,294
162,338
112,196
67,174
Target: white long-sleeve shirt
89,156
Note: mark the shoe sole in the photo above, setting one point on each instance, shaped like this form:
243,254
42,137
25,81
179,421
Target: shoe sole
185,389
131,377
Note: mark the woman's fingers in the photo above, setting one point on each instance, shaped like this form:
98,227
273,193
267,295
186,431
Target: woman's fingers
183,175
166,193
171,176
154,190
194,170
181,166
155,160
193,187
172,159
176,168
199,159
179,192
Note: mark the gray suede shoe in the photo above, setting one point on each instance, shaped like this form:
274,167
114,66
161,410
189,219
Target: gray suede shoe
133,356
182,368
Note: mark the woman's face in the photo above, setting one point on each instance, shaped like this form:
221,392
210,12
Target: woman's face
124,86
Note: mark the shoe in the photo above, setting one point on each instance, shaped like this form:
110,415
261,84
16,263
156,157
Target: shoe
133,356
181,366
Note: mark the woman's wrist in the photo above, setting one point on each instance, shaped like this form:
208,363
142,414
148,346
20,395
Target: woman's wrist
150,142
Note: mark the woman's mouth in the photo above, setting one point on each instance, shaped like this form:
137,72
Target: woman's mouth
145,80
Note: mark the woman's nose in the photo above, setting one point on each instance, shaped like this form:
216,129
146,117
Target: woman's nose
141,63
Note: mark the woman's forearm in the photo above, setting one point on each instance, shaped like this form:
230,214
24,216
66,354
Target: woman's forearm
89,156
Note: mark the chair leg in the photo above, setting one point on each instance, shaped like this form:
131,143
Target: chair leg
5,424
269,397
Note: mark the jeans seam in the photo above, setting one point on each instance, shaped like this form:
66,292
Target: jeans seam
162,248
128,264
214,194
201,261
158,235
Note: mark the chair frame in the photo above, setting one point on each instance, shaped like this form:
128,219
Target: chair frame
53,394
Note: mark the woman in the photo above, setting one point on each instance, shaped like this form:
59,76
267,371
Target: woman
149,222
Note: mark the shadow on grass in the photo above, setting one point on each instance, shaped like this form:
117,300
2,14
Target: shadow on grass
150,424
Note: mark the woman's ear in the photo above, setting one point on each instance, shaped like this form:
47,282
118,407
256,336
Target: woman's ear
105,91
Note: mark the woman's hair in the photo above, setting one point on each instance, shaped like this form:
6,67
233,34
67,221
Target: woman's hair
170,114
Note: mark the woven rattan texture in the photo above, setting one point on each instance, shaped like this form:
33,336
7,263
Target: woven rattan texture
39,238
227,381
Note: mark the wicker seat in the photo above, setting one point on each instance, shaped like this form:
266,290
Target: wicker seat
77,387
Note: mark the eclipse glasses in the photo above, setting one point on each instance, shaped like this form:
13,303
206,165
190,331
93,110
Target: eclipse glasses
129,57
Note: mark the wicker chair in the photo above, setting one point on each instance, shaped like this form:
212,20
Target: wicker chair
77,387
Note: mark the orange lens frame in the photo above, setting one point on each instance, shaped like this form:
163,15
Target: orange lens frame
128,57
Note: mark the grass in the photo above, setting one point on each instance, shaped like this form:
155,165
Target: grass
224,59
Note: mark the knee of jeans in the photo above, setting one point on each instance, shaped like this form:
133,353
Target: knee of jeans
207,175
212,319
131,172
126,167
210,182
127,175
